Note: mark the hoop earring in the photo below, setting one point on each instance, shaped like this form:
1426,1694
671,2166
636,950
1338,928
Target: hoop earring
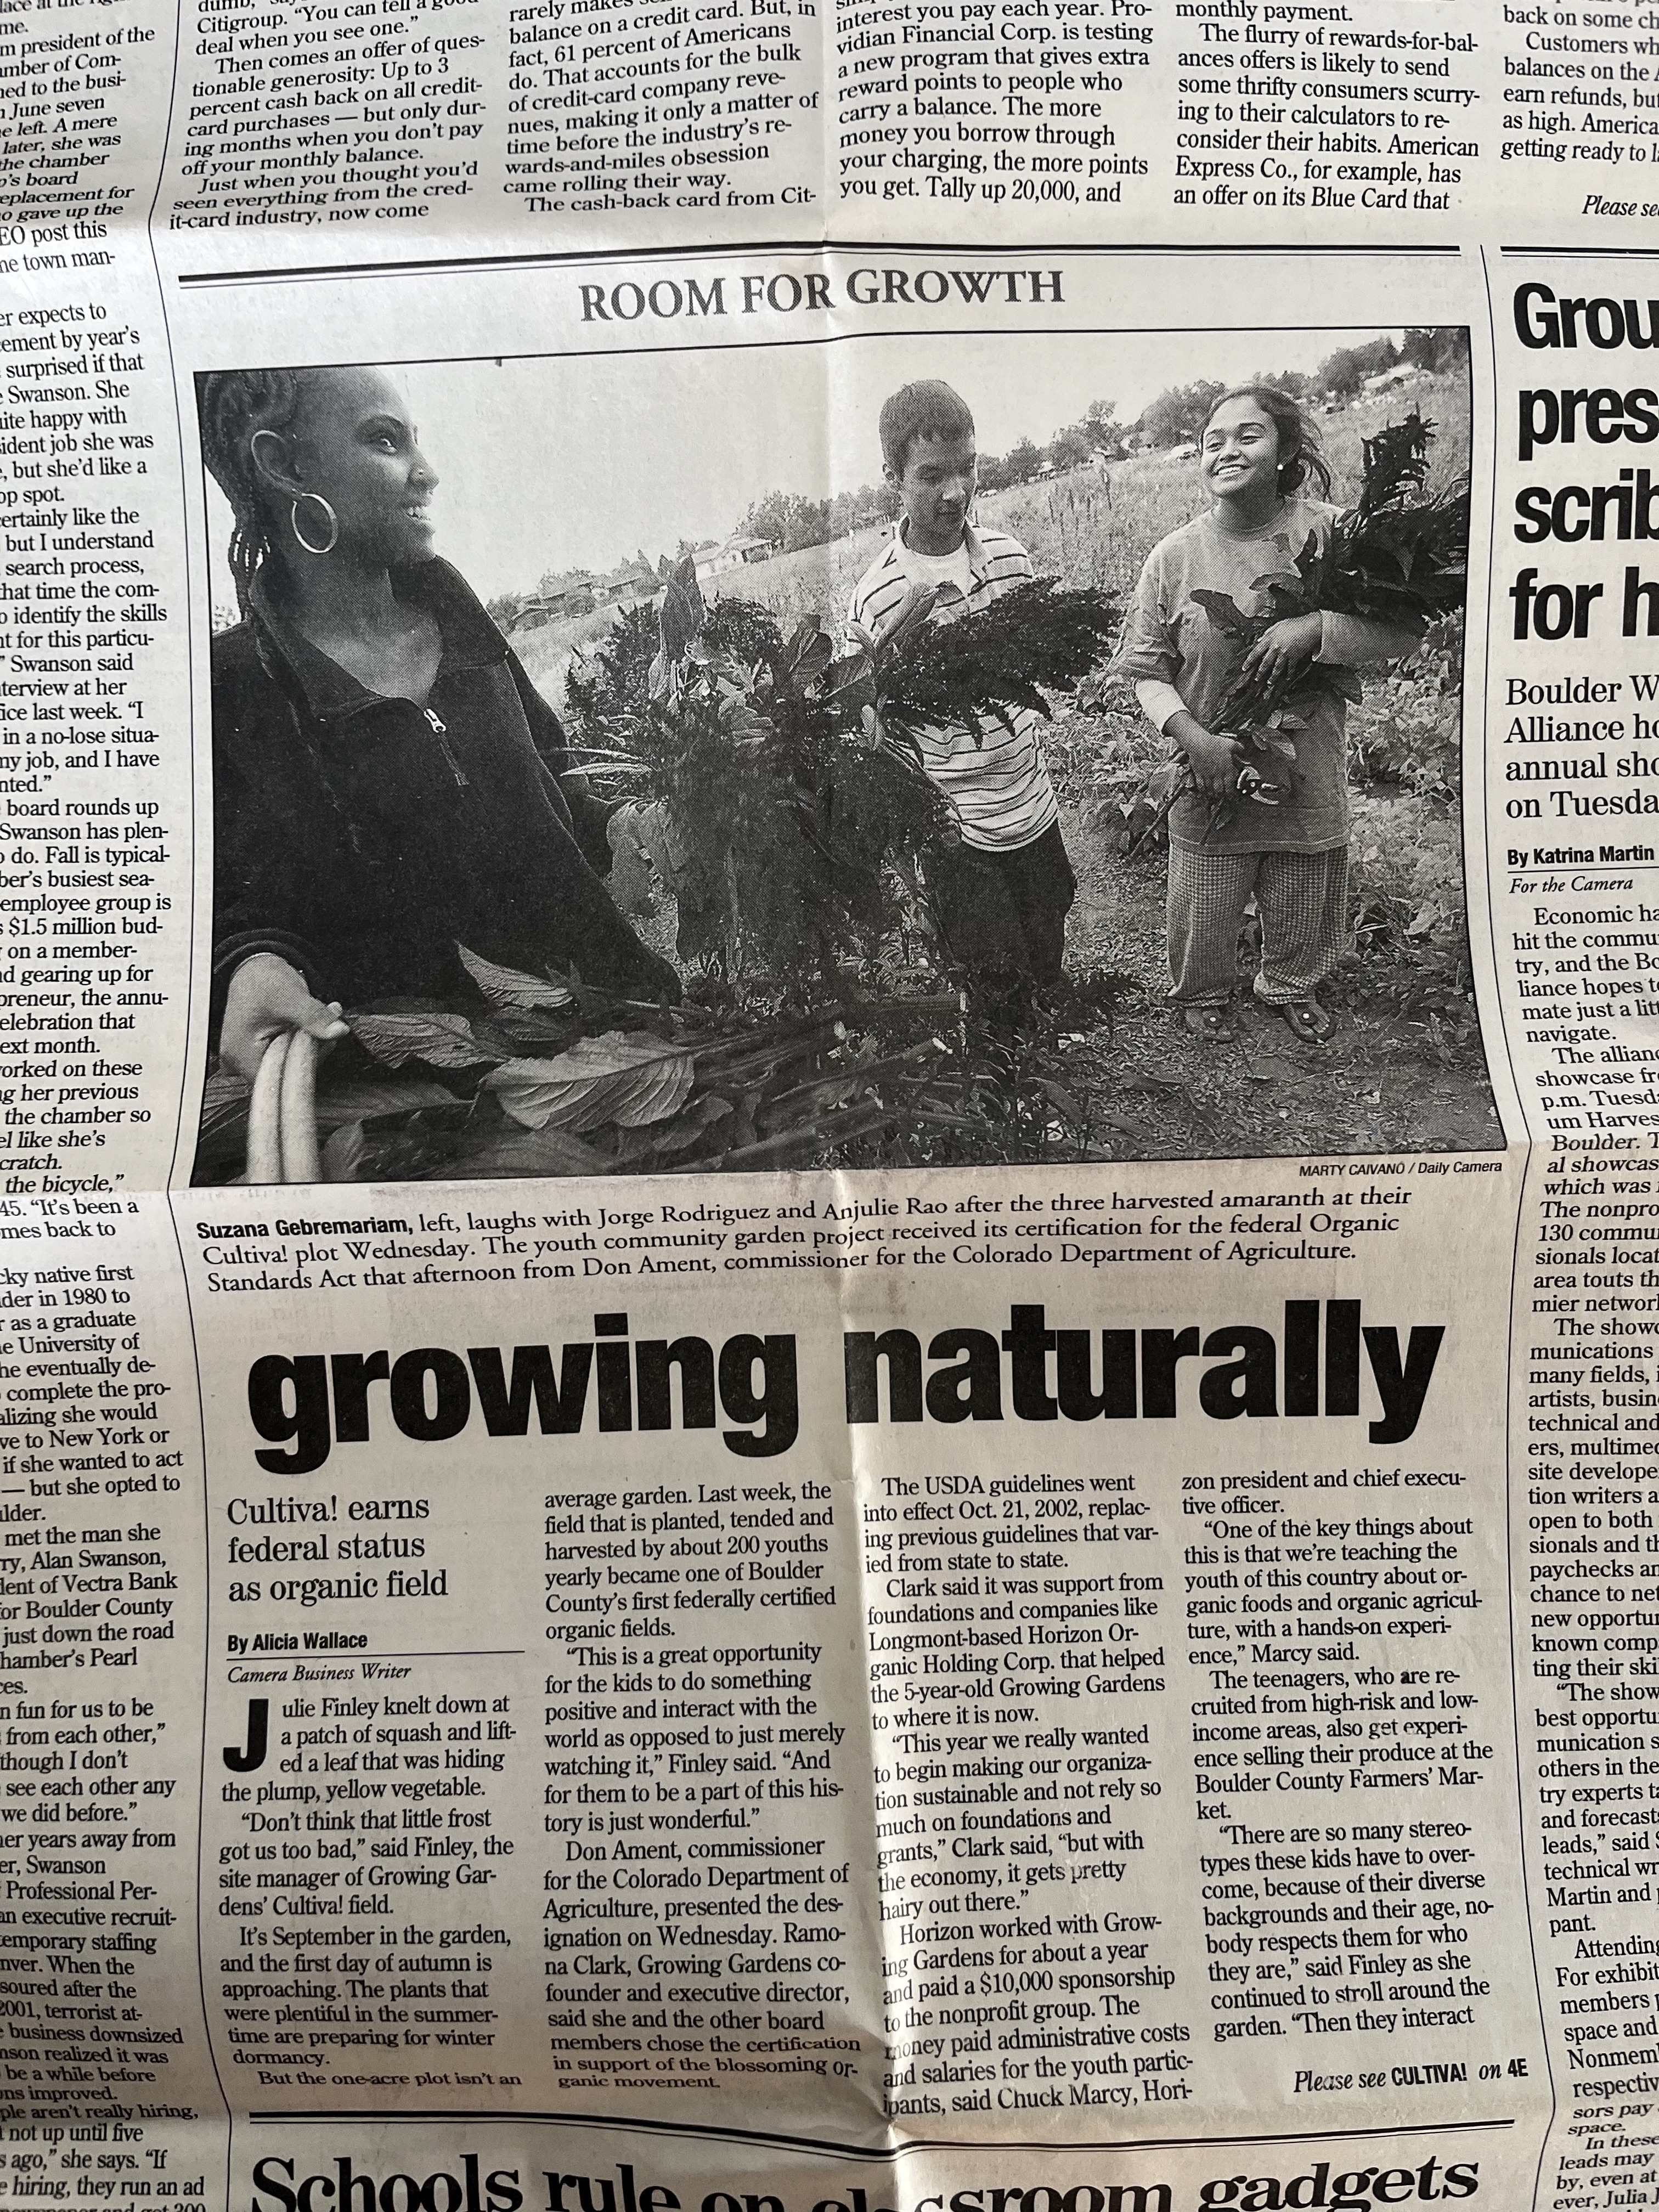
303,542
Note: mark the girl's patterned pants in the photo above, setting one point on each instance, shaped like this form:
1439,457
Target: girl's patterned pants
1302,902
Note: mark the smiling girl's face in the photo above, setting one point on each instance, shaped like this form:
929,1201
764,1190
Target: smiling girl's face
352,440
1239,457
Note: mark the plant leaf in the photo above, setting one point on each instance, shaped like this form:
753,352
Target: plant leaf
342,1154
224,1100
629,1081
680,616
441,1039
810,650
1226,614
512,986
641,1146
516,1153
367,1098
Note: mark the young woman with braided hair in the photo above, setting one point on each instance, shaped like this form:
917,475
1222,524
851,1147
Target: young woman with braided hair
388,783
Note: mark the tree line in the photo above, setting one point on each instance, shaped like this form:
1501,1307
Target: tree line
790,521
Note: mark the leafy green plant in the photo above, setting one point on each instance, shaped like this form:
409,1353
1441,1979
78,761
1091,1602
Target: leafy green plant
1409,730
420,1092
778,782
1409,916
786,829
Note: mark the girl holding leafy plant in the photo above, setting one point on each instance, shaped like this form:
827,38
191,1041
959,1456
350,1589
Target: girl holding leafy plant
1239,643
388,784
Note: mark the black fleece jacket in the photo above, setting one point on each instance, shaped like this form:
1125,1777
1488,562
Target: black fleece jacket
362,838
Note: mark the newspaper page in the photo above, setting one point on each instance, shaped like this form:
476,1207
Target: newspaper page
828,1274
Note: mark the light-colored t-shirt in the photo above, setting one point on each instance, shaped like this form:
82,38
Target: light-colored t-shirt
937,570
1169,637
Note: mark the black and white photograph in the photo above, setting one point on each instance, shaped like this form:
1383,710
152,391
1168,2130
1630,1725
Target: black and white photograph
908,752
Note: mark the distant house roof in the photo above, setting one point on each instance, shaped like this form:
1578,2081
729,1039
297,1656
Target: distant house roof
556,583
631,579
537,608
735,552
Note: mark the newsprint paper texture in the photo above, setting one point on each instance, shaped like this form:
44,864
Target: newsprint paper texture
828,1138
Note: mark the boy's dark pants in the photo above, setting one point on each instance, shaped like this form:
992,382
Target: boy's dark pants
1005,913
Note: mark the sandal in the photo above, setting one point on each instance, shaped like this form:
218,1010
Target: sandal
1210,1024
1307,1020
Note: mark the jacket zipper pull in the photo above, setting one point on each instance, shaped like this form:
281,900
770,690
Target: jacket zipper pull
441,730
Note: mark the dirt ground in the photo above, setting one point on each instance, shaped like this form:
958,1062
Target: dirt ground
1379,1084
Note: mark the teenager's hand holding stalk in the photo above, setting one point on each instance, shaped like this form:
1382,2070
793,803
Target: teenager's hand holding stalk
1214,757
1279,655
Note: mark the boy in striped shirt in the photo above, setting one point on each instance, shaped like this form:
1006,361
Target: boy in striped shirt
1002,897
